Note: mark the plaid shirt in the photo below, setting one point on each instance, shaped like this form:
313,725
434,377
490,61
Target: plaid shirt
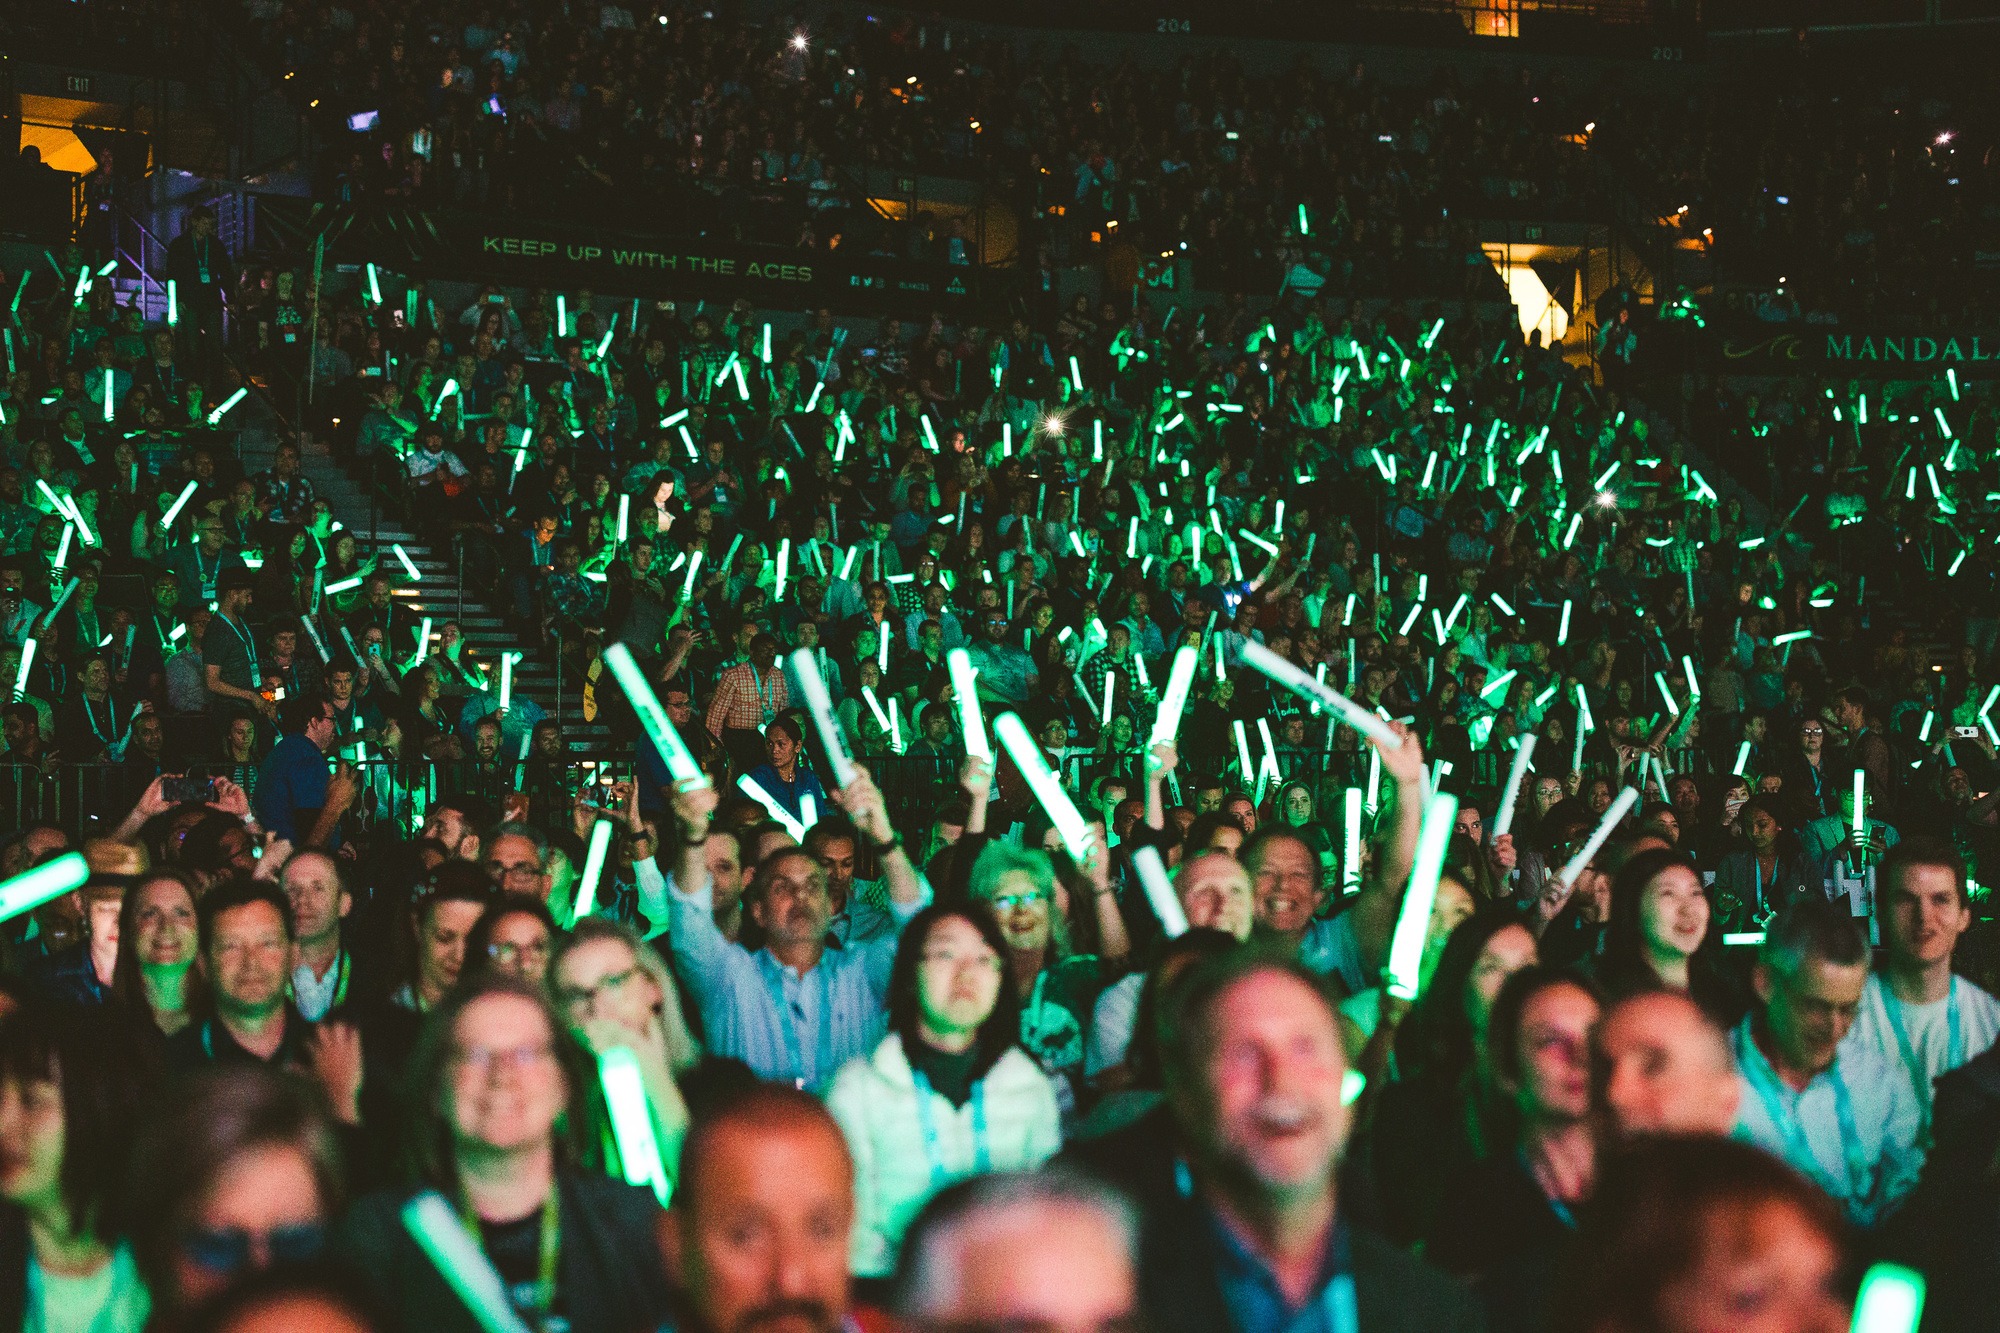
742,694
573,597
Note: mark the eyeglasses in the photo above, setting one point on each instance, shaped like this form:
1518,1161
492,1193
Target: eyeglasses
583,999
227,1251
1009,902
510,953
988,961
484,1061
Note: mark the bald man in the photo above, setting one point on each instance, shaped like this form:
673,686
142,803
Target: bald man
1661,1066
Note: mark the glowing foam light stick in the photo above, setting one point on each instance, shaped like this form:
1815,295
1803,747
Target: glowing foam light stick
1742,758
1180,679
1498,683
110,396
1403,974
1860,804
56,610
223,407
784,568
1076,375
340,586
173,302
694,568
1660,680
1891,1300
423,640
31,888
1055,802
593,871
409,565
632,1121
750,787
456,1255
28,647
1298,682
821,705
1160,891
1562,631
1795,636
319,644
1350,851
1243,751
1694,686
1621,807
970,722
653,719
1523,753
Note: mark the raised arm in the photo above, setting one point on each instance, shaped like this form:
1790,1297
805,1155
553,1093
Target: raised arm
1160,761
863,803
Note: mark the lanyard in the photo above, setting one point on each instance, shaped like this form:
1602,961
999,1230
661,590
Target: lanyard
249,642
112,713
1954,1044
551,1251
767,702
1798,1148
774,980
927,1122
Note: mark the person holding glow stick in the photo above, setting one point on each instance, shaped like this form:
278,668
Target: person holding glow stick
503,1093
794,1010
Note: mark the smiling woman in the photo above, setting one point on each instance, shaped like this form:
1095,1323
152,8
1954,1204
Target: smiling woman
1663,933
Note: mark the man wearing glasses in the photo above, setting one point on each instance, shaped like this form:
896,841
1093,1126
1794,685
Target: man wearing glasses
1811,777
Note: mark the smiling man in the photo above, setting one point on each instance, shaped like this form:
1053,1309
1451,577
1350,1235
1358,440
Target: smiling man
1253,1064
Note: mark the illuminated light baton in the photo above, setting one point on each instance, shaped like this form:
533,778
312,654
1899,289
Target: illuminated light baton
31,888
1402,975
28,647
694,568
1738,938
1180,679
1504,821
1055,802
1110,689
1891,1300
1562,631
1742,758
62,548
784,569
750,787
456,1255
821,705
507,679
1243,751
1350,851
562,315
342,585
1298,682
875,707
593,871
450,388
1627,798
1694,686
882,648
223,407
110,397
1794,637
1160,891
631,1114
895,727
1075,375
653,719
56,610
173,302
409,565
1860,809
1660,680
970,722
319,644
1498,683
423,640
1410,619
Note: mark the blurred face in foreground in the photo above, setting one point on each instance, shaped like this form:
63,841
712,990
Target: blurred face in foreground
763,1247
1661,1067
1267,1109
1215,893
1761,1268
1050,1266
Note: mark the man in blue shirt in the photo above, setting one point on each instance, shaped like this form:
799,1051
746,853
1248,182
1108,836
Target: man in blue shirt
296,798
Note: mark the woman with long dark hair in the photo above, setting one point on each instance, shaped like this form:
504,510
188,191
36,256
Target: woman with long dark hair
155,977
950,1079
1664,935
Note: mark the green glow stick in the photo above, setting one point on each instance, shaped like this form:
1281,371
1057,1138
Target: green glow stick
1501,602
28,647
970,722
1076,374
1350,852
1860,803
1352,1084
374,287
750,787
1739,938
1305,226
409,565
1660,680
784,568
1575,523
562,315
1402,976
1511,794
1498,683
1173,702
1951,379
631,1114
450,388
1891,1300
1160,891
1944,427
813,686
1924,734
1794,637
1243,765
593,871
653,719
232,400
506,680
110,397
1062,812
1621,807
1562,631
1742,758
456,1255
340,586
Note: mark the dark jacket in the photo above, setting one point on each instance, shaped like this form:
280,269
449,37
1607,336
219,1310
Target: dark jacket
1950,1225
1497,1230
1395,1292
610,1277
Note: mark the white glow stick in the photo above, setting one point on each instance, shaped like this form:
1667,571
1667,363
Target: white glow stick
964,687
1027,756
1298,682
1160,891
632,1121
784,569
56,610
174,511
750,787
456,1255
1350,852
1860,803
1621,807
653,719
31,888
409,565
593,871
506,680
1504,821
28,647
1403,974
1173,703
319,644
344,585
821,706
1110,689
1891,1300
